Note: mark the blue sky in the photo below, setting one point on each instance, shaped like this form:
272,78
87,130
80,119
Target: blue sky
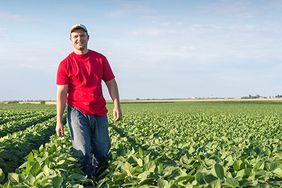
157,49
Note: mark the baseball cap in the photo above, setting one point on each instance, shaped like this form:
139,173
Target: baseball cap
78,26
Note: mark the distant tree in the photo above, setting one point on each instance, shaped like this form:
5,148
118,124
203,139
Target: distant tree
252,97
42,102
10,102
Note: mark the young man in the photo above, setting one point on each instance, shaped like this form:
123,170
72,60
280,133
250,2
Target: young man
79,79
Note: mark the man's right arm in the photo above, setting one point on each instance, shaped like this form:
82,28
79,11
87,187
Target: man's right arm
62,91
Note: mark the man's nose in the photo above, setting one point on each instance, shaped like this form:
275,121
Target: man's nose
79,37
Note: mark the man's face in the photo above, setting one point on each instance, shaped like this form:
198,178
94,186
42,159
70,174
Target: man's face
79,39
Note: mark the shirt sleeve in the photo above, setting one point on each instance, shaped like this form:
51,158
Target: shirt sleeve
62,75
107,71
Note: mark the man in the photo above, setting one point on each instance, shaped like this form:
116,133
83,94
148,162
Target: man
79,79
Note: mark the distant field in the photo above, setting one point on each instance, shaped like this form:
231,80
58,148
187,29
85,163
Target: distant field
231,143
171,100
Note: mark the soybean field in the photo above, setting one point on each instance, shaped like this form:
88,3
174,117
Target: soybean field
157,144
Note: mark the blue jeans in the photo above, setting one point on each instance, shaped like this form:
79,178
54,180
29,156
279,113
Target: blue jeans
90,139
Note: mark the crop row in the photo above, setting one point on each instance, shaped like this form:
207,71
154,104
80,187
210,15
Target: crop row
11,113
23,122
13,147
13,116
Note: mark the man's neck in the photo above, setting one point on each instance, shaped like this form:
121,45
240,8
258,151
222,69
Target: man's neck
80,52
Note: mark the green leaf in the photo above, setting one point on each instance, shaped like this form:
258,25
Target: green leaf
35,169
143,176
140,151
2,175
76,176
259,165
30,157
57,182
41,148
210,178
210,162
144,186
183,178
272,165
261,174
219,170
127,168
191,150
237,165
61,162
229,160
163,183
147,159
30,178
200,178
13,178
168,171
184,159
231,182
278,172
240,173
139,162
215,183
151,167
248,171
160,168
72,159
46,170
23,166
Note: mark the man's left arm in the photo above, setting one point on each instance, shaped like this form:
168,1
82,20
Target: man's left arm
113,91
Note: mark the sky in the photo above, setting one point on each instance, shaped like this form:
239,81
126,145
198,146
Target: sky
156,48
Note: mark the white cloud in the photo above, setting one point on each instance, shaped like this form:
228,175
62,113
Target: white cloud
213,40
3,33
239,8
132,9
117,13
8,16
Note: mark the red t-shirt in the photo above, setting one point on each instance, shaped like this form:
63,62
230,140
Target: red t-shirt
83,75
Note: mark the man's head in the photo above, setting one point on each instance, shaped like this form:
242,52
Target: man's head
79,38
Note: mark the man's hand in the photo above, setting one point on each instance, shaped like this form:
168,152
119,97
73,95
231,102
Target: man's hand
60,129
117,114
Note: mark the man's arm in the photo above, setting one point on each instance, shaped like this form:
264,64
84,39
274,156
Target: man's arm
61,104
113,91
